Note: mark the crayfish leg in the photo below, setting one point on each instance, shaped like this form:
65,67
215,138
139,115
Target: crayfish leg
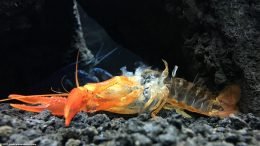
178,110
182,112
159,107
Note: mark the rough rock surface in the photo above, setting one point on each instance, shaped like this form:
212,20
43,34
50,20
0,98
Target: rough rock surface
227,48
169,128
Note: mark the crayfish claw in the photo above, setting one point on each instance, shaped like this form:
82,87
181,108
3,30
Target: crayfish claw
37,108
55,104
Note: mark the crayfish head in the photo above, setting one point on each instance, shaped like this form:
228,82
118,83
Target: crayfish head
74,104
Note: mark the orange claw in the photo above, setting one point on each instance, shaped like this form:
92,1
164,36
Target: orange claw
76,101
52,102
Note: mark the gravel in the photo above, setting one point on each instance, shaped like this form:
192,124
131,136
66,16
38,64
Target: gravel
169,128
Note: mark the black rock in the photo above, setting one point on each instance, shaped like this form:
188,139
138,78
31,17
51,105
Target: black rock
232,138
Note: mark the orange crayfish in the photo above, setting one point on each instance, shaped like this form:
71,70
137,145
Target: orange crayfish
144,90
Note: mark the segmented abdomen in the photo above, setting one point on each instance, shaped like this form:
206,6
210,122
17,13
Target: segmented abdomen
189,96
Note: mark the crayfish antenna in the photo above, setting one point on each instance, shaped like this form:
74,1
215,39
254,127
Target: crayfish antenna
7,99
76,71
100,59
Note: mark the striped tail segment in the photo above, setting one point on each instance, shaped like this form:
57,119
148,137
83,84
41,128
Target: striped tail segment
189,96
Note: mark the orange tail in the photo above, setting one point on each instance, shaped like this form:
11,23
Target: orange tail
53,102
228,100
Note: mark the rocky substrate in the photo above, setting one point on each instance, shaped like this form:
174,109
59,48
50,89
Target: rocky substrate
169,128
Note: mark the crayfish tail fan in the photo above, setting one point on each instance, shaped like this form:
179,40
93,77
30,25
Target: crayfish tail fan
228,99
